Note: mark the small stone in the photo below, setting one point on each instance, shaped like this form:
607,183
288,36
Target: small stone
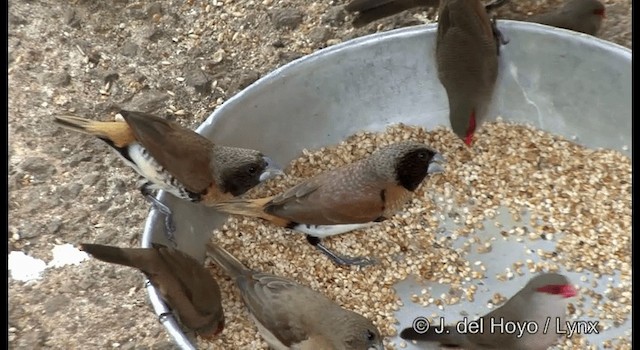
246,78
320,35
90,179
53,226
71,18
286,17
334,16
148,101
198,79
61,79
111,77
69,192
154,9
38,167
218,56
129,49
152,33
56,303
29,230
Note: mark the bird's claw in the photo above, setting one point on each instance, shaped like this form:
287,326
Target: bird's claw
164,316
169,224
344,260
502,39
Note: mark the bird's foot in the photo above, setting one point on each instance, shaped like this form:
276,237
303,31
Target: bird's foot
340,260
164,316
169,224
498,34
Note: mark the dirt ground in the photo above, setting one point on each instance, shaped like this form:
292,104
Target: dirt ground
178,59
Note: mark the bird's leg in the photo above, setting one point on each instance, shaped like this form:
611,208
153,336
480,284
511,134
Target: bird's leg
502,39
337,259
168,219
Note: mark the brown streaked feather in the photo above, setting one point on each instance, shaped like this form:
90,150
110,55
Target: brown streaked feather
187,287
346,195
213,195
196,281
250,207
182,152
119,133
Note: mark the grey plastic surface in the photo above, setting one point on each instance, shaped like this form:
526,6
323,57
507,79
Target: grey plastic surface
564,82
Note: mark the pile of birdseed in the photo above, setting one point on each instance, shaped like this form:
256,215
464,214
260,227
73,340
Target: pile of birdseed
584,193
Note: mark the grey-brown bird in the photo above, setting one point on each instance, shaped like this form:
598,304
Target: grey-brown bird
176,159
467,49
289,315
185,285
543,299
373,10
584,16
347,198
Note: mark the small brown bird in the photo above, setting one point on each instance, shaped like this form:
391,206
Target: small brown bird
584,16
467,49
185,285
373,10
347,198
176,159
289,315
544,299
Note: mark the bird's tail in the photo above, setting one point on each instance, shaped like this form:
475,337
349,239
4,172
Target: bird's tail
232,266
447,338
114,255
117,133
250,207
373,10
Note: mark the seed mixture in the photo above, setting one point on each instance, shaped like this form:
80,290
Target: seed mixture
583,193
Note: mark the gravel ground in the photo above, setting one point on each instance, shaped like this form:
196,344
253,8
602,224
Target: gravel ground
179,59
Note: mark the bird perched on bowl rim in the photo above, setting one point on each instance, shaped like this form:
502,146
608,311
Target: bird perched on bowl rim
185,285
467,50
176,159
289,315
543,299
347,198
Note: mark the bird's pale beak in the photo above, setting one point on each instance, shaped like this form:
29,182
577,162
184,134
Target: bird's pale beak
271,171
376,347
435,165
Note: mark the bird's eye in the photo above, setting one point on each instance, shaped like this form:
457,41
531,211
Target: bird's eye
370,335
253,169
422,155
